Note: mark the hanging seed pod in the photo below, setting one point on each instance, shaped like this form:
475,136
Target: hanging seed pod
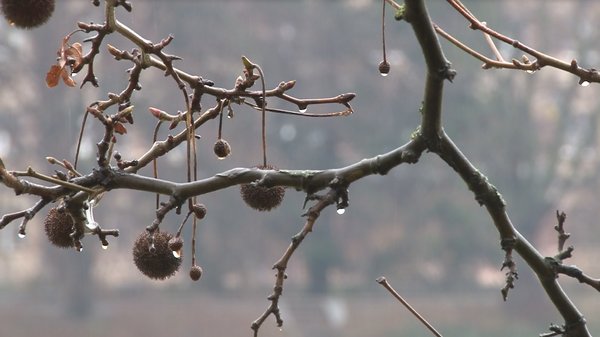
58,226
262,198
27,13
195,272
153,256
222,148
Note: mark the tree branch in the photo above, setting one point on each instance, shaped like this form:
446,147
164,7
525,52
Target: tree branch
485,193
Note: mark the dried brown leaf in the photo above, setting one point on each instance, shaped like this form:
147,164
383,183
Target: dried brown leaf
75,53
66,78
120,128
53,76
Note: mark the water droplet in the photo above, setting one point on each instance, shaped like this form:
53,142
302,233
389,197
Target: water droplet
177,254
341,211
280,329
584,83
105,246
530,71
80,249
384,74
221,158
302,109
229,116
21,235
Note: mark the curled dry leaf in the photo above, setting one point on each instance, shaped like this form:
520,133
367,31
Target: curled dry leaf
68,55
120,128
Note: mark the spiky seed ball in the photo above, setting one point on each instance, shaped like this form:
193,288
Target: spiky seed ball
199,211
195,273
222,149
384,67
27,13
155,261
59,226
262,198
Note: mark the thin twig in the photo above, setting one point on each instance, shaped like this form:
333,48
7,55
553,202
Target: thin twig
562,235
32,173
542,59
492,46
383,281
281,265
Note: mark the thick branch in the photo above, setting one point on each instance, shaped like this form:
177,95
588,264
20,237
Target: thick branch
438,68
485,193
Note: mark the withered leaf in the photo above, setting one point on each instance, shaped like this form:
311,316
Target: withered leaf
68,55
67,78
53,76
74,53
120,128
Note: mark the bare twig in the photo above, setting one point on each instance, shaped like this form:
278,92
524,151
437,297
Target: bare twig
383,281
562,235
508,245
281,265
585,75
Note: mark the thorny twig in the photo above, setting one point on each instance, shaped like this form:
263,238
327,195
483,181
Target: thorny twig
281,265
556,262
511,275
562,235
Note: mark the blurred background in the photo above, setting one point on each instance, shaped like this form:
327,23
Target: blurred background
536,136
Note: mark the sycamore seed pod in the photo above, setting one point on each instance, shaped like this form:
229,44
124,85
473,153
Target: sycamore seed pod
153,256
59,226
262,198
27,13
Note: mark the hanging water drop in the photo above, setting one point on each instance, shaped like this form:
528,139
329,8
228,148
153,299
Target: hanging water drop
341,211
584,83
177,254
105,246
302,108
80,249
530,71
21,235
